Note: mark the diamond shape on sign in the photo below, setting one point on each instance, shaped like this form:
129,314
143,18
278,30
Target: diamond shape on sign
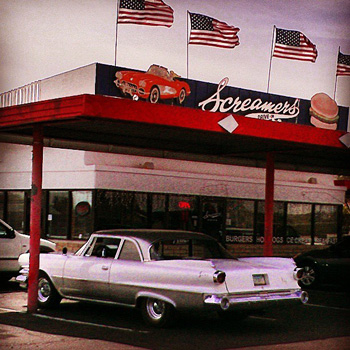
345,139
229,123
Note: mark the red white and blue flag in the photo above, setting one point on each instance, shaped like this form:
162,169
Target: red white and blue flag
209,31
343,66
145,12
294,45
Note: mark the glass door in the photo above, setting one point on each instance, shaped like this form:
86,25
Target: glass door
213,213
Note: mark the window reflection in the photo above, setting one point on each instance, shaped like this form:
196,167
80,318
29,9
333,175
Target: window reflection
58,214
239,221
299,223
15,210
325,224
82,214
183,212
2,204
158,211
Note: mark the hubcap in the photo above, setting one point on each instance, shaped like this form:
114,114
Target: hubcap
154,96
155,308
309,276
44,290
182,96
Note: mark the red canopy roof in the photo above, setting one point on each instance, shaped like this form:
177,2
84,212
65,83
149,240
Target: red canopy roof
182,132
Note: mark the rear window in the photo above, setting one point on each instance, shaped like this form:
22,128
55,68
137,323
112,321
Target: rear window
188,249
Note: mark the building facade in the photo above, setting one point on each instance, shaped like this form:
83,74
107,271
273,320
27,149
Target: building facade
84,191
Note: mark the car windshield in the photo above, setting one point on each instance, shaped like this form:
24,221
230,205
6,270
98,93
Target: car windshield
198,249
159,72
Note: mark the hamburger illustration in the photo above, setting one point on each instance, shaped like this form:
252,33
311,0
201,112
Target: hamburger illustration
323,111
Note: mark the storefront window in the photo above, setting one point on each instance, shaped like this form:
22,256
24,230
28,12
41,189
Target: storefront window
325,224
82,214
213,217
183,213
113,209
58,214
139,211
2,204
279,229
346,215
15,210
239,221
158,211
299,223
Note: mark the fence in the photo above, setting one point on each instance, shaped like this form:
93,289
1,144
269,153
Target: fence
25,94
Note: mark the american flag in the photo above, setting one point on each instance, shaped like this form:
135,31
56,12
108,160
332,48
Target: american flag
146,12
343,66
294,45
209,31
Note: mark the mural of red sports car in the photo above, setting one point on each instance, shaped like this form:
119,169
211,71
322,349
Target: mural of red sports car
154,85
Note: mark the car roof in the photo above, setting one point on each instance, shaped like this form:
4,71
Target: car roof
153,235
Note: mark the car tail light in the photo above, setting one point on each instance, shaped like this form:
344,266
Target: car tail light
219,277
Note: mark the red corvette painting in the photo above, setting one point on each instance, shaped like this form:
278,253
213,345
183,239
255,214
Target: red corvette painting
154,85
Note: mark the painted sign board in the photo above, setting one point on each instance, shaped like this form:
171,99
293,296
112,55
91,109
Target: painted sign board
220,97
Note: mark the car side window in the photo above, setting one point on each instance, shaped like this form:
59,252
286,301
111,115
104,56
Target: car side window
129,252
104,247
5,232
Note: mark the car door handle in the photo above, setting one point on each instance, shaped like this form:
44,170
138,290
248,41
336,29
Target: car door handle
104,267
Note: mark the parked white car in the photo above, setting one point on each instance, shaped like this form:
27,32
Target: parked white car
163,271
12,245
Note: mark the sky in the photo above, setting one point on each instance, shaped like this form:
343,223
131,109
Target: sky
42,38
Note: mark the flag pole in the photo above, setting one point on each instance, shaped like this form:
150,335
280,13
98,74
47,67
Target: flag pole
336,75
269,76
187,43
116,34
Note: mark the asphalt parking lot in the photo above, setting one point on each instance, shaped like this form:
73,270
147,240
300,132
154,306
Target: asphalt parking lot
323,325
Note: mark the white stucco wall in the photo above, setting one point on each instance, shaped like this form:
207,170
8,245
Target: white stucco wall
137,173
75,82
62,169
70,169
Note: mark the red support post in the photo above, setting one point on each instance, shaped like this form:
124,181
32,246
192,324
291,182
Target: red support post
269,197
35,219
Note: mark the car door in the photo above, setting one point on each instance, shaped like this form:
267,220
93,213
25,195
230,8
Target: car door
126,275
87,275
339,264
10,249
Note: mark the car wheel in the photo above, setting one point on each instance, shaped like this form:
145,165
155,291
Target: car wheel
181,97
48,296
154,95
309,277
157,313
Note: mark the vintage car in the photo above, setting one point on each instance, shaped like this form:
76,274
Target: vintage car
12,245
154,85
327,266
161,271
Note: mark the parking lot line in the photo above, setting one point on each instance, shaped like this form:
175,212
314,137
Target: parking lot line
328,307
4,309
90,324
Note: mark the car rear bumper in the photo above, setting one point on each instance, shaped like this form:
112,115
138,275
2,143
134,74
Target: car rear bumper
256,300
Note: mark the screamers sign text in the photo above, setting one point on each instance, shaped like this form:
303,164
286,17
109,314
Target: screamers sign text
253,108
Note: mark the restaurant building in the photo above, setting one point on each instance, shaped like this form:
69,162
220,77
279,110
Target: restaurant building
111,183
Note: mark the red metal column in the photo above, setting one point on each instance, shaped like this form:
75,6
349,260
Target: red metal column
35,218
269,194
